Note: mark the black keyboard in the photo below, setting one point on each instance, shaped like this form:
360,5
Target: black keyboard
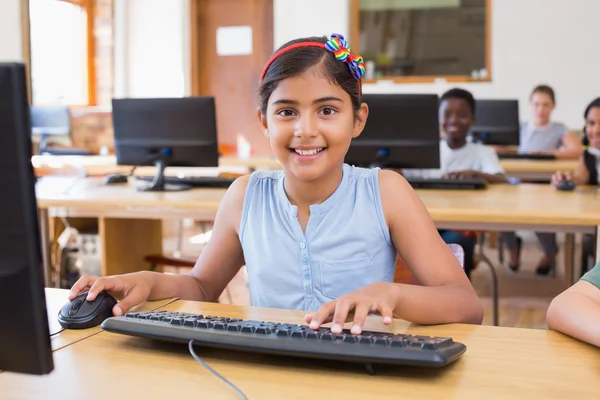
515,156
288,339
451,184
196,181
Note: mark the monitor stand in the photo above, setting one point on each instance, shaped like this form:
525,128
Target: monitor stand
158,183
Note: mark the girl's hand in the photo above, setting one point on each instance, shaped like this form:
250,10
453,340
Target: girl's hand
559,176
377,297
462,175
130,289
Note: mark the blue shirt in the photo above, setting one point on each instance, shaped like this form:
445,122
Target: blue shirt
346,244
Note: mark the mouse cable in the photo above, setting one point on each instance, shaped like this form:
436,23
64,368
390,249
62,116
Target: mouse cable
56,333
193,353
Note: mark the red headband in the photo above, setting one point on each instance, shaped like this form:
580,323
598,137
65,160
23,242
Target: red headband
337,45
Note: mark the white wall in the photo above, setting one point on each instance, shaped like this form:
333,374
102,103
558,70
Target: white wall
151,48
10,31
533,41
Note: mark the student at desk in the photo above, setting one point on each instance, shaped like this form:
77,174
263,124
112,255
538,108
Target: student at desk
460,158
541,134
320,235
587,171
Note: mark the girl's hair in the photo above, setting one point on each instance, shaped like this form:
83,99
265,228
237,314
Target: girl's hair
296,61
544,89
595,103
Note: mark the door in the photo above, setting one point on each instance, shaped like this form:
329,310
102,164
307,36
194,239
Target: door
231,71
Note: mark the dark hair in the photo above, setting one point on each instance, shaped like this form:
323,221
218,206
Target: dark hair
461,94
595,103
296,61
545,89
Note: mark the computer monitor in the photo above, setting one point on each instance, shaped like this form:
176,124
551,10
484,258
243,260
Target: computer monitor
24,337
180,132
497,122
50,120
402,132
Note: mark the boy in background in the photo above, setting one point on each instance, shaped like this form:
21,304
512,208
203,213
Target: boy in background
460,159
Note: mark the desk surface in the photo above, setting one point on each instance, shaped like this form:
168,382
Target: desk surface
547,166
56,298
500,363
501,203
106,164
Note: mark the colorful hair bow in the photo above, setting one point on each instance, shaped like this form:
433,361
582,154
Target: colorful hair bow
340,49
337,45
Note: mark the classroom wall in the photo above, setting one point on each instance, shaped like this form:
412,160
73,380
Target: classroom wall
10,31
533,41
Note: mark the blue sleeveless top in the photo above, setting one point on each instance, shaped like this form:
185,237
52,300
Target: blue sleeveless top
346,244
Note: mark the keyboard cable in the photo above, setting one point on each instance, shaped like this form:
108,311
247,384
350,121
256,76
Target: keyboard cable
193,353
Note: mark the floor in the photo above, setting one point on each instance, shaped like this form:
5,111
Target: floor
524,297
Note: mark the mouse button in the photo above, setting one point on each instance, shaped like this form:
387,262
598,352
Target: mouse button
75,306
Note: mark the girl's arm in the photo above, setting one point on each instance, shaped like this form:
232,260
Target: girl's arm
571,147
218,263
446,295
220,259
576,312
580,176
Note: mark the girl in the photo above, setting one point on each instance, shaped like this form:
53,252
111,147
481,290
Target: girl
541,135
587,171
588,167
320,235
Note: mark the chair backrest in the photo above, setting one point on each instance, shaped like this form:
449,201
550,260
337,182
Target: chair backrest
458,252
403,274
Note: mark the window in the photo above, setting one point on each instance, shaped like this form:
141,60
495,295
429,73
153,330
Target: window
71,51
422,40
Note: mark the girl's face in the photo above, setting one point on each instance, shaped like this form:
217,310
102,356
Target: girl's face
542,106
310,123
592,127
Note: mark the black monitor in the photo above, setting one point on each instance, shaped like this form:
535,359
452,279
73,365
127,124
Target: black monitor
179,132
497,122
402,132
24,337
50,120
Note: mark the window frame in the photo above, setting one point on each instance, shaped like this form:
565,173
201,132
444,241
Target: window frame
89,7
355,33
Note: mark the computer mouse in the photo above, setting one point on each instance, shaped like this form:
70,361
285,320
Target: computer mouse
81,314
565,185
115,178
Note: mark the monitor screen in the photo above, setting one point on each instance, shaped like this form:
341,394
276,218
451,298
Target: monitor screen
181,130
402,131
496,122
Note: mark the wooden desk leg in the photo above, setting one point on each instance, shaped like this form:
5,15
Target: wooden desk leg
569,258
45,244
125,242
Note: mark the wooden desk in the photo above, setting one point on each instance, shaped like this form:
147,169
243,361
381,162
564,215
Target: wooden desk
101,165
56,299
536,169
124,213
500,363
